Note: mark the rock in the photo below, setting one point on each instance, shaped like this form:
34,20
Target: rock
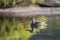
50,3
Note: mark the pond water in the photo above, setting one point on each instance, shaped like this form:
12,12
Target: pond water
16,28
52,32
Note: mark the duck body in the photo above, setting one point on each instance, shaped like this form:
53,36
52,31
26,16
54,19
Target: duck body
34,25
37,25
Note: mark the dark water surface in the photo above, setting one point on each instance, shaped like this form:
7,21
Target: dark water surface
52,32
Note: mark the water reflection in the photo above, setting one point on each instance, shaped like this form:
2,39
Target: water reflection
52,32
17,28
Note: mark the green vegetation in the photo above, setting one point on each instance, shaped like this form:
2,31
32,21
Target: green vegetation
13,3
14,29
8,3
34,1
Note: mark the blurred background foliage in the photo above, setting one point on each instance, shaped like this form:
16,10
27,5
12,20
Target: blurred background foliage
12,3
16,28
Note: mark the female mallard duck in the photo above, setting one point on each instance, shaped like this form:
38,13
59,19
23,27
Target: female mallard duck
35,24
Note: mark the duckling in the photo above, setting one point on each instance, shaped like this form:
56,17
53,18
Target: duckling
36,24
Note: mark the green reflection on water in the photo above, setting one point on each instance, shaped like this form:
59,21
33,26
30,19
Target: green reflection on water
16,29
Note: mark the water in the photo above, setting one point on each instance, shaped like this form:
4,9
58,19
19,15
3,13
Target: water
16,28
52,32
